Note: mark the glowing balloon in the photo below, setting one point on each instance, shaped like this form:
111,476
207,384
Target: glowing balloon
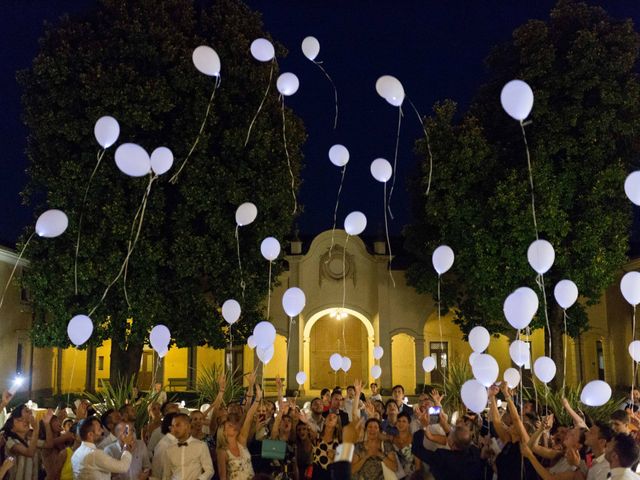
264,334
378,352
293,301
339,155
479,339
545,369
566,293
473,356
541,256
231,311
442,259
106,131
355,223
519,352
632,187
512,377
206,61
301,377
52,223
595,393
79,329
265,354
634,350
381,170
428,364
262,50
310,48
474,395
517,99
251,342
133,160
630,287
376,371
520,307
346,364
161,160
288,84
270,248
485,369
246,214
390,89
159,337
335,361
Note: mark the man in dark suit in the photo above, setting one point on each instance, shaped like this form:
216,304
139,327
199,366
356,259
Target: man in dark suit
334,407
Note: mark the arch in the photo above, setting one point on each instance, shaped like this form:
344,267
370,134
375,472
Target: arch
403,360
306,337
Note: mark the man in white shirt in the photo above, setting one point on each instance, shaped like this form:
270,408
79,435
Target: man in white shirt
375,393
190,458
316,420
109,420
161,397
140,467
157,434
165,442
621,453
597,438
89,463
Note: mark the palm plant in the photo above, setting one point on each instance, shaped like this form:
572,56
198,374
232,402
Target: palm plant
457,373
207,384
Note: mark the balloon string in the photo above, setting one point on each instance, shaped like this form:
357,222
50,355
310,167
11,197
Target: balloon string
155,372
242,284
395,161
286,151
533,380
344,293
386,230
335,92
564,350
84,200
269,293
73,369
442,371
174,178
426,135
533,197
264,98
335,214
633,372
291,323
15,266
131,246
142,209
540,282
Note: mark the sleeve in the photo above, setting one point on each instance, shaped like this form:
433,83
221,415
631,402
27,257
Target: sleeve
206,462
112,465
417,448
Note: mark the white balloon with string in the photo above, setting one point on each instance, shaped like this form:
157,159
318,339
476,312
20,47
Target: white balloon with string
485,368
479,339
541,257
428,364
263,51
474,395
346,364
293,302
246,213
265,354
520,307
442,260
132,160
79,329
301,378
161,160
106,131
519,352
288,84
264,334
595,393
335,361
566,294
544,368
632,187
512,377
311,49
339,156
516,98
376,371
381,170
378,352
630,288
270,249
251,342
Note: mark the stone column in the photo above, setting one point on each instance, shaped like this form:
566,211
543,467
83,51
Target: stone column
419,341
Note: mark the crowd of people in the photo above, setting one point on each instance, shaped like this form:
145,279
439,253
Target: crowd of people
340,435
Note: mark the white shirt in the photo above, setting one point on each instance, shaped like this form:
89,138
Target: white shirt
188,462
158,454
139,460
89,463
622,473
599,469
106,441
155,437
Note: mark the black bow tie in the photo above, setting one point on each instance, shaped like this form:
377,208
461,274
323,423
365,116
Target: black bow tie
183,444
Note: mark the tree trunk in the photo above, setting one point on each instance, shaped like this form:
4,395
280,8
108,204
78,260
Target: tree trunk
125,364
556,324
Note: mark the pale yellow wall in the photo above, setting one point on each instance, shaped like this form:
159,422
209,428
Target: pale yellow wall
278,364
207,358
247,362
403,355
459,350
176,365
103,351
74,370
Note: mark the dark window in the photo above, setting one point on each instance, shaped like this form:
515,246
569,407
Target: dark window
100,363
19,360
600,359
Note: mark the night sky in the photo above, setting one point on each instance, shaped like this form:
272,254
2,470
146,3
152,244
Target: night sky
435,48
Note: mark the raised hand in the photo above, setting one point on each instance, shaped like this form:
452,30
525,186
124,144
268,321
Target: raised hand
258,393
47,416
6,398
437,397
493,390
251,378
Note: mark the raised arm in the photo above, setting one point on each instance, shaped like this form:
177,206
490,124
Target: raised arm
578,421
540,470
355,412
215,406
534,441
248,419
513,411
494,416
283,408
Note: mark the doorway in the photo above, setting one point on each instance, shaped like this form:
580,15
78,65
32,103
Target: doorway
439,351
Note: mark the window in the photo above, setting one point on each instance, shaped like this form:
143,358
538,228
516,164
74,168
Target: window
100,363
19,359
600,359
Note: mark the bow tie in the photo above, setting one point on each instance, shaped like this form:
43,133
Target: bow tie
183,444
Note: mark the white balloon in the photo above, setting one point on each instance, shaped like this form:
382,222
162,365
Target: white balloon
517,99
339,155
265,354
376,371
630,287
541,256
473,356
520,307
390,89
310,48
270,248
301,377
288,84
595,393
634,350
355,223
52,223
293,301
264,334
381,170
474,395
79,329
566,293
512,377
161,160
159,338
251,342
378,352
231,311
485,369
346,364
519,352
428,364
206,61
162,353
106,131
262,50
545,369
133,160
632,187
442,259
335,361
479,339
246,214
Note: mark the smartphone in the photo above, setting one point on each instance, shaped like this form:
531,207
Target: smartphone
126,430
434,415
434,410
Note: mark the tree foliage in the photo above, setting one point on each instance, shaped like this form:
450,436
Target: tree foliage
580,64
132,59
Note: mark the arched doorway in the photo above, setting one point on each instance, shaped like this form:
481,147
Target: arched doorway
325,333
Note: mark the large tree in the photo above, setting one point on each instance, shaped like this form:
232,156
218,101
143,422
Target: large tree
581,66
132,59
